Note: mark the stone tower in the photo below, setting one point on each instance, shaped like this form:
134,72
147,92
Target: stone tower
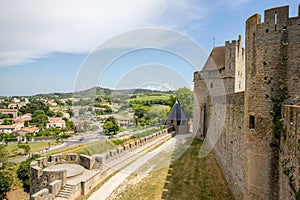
272,65
223,73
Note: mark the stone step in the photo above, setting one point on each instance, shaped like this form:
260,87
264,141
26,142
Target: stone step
60,198
68,189
65,193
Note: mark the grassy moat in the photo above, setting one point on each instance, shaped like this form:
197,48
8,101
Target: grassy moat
189,177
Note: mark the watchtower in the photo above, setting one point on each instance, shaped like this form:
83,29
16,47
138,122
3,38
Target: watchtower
272,66
223,73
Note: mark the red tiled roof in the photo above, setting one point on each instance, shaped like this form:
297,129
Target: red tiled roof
216,59
8,126
8,110
54,120
30,129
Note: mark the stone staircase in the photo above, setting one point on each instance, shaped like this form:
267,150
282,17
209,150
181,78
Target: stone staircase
65,193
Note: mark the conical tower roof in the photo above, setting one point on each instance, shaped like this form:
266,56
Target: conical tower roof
177,113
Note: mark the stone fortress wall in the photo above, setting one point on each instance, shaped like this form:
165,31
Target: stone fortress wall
48,182
247,150
289,168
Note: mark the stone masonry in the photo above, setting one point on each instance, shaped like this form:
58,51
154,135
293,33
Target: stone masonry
248,144
55,179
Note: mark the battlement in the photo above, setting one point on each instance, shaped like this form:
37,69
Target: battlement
247,150
278,17
238,42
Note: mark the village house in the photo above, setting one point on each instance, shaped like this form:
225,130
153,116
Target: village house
124,122
55,122
11,128
13,113
31,130
23,118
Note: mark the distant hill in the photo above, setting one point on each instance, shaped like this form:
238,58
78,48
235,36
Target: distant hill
99,91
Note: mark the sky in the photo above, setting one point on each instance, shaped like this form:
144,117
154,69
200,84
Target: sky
68,45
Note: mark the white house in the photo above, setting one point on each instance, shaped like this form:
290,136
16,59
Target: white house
55,122
11,128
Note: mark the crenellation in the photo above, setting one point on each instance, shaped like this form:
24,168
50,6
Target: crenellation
275,18
49,180
247,150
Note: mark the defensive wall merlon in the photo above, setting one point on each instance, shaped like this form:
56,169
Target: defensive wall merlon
46,184
274,19
253,166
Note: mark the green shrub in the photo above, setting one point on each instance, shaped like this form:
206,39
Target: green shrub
23,172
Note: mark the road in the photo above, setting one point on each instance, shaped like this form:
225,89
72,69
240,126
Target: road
76,140
91,137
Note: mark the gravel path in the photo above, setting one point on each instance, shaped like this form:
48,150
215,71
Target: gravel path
120,177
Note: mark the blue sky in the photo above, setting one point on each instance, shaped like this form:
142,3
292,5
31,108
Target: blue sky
45,44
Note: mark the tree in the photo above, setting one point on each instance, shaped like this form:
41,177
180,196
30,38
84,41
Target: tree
59,114
69,125
69,102
39,118
33,106
7,122
158,114
23,172
50,113
141,115
172,100
3,116
186,100
71,113
5,183
3,153
26,124
25,147
110,125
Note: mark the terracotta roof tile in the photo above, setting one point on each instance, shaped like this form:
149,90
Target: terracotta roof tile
216,59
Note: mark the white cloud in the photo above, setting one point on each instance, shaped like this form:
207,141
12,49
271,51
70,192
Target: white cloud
160,87
34,28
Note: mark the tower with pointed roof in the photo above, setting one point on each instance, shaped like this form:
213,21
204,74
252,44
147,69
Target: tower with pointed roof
177,120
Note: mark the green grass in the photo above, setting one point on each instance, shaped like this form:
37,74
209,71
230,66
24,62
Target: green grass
14,150
88,149
145,133
151,99
189,177
195,178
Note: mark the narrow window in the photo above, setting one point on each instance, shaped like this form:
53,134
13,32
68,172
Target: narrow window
251,122
211,85
291,116
275,20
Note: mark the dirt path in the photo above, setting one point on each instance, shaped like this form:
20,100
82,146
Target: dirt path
115,181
